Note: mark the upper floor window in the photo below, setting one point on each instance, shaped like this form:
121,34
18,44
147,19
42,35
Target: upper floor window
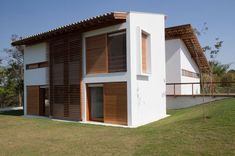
37,65
117,52
145,53
106,53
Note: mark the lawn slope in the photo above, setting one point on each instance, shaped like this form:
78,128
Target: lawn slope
201,130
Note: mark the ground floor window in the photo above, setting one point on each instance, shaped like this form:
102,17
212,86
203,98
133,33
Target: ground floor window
107,102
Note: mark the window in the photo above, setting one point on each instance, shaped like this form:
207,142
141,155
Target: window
190,74
145,54
106,53
37,65
96,54
43,64
117,52
32,66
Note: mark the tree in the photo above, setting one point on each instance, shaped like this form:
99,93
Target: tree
219,70
12,74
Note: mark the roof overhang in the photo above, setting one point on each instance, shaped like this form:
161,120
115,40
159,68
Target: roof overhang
187,35
96,22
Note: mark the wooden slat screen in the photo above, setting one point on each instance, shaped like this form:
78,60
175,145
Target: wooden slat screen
74,75
58,49
96,54
115,103
33,100
32,66
65,76
43,64
37,65
117,52
144,53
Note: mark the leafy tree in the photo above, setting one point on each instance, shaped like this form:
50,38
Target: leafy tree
12,75
218,69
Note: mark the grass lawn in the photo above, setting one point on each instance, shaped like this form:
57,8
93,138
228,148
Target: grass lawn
185,132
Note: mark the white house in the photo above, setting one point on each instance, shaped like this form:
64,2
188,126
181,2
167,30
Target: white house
108,69
185,61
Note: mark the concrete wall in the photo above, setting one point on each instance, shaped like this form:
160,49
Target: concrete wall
177,102
34,54
147,91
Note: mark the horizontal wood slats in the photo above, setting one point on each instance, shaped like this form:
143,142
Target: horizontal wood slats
65,76
96,54
37,65
117,52
33,100
115,103
144,53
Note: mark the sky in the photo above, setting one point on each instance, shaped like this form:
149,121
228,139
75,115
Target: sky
28,17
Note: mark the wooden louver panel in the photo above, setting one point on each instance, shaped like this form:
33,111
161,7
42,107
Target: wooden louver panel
57,92
115,103
96,54
74,76
33,100
144,53
117,52
65,77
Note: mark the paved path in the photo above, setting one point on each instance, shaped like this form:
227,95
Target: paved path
10,109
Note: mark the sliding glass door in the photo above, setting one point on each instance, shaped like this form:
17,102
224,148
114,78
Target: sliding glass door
96,103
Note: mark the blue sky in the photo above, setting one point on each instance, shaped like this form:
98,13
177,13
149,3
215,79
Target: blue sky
27,17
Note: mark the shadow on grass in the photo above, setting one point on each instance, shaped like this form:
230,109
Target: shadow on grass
13,112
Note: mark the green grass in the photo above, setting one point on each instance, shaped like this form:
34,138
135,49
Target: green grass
185,132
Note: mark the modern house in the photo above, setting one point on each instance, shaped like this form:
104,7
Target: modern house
108,69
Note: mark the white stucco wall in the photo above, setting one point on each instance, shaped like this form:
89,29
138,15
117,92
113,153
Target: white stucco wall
189,64
35,54
147,101
178,58
173,65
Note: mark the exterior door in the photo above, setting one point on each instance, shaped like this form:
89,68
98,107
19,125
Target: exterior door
96,104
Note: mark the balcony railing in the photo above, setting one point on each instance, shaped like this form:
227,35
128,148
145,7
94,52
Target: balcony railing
197,88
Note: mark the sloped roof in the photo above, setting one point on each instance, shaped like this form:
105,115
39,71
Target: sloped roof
83,25
187,35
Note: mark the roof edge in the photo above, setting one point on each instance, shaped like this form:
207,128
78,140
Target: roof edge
73,26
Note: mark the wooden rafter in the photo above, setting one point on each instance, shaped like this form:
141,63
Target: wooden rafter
187,35
84,25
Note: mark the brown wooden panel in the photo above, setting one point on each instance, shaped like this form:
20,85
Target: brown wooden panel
96,54
117,51
33,100
115,103
32,66
65,76
37,65
43,64
144,53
